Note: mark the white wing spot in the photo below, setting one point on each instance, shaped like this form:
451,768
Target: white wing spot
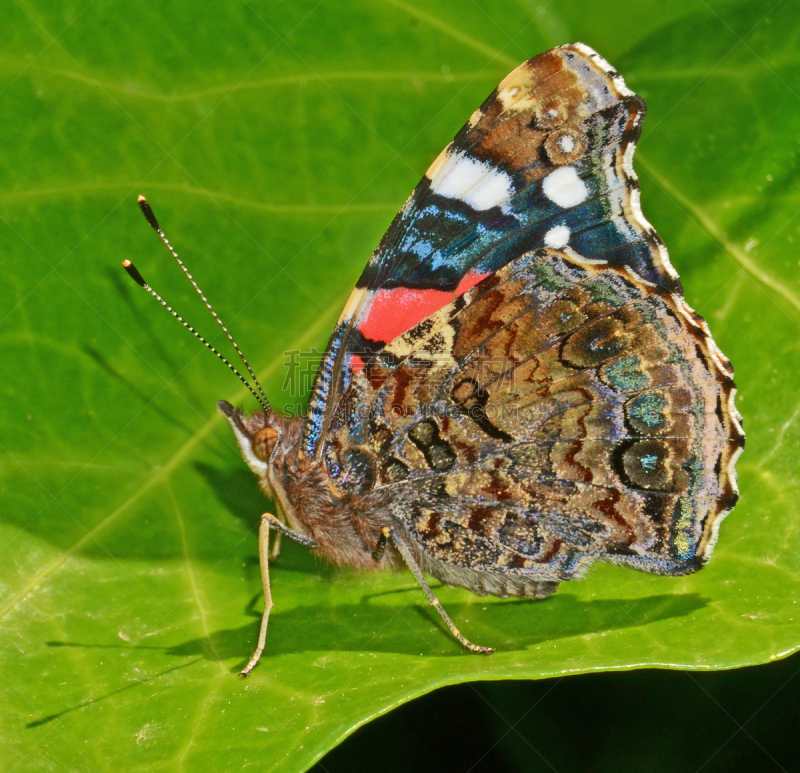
557,237
476,183
566,143
565,188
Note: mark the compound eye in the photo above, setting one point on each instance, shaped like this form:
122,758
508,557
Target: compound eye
264,442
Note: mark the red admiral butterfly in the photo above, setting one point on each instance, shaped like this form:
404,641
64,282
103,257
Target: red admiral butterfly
516,387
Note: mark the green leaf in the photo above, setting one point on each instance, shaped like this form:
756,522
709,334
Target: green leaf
275,143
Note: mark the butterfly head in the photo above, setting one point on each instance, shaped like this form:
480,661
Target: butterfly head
258,435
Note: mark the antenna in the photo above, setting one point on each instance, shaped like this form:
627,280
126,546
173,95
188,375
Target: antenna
151,218
133,272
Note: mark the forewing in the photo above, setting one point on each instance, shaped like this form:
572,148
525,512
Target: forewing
545,161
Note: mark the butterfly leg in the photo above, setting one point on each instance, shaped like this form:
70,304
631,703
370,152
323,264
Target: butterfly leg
275,550
412,564
380,548
263,557
283,529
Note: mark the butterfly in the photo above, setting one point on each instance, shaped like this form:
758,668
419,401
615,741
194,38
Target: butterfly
516,387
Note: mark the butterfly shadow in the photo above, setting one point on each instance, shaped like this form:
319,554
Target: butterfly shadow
147,400
144,322
46,719
414,628
236,491
508,625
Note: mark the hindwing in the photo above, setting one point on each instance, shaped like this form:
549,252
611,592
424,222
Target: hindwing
556,413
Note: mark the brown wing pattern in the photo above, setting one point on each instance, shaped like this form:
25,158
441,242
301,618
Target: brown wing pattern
558,413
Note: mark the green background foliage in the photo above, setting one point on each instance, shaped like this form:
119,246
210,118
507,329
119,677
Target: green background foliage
275,142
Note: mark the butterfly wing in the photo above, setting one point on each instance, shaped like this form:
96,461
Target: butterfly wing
557,413
517,376
546,160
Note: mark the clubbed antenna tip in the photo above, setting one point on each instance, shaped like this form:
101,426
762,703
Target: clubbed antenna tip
148,213
133,272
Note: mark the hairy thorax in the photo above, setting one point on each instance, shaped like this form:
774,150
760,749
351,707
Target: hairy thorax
346,527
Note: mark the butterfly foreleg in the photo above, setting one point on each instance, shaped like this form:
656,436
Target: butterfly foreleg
412,564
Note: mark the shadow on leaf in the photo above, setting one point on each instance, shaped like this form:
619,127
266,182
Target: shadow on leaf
508,625
91,701
237,491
